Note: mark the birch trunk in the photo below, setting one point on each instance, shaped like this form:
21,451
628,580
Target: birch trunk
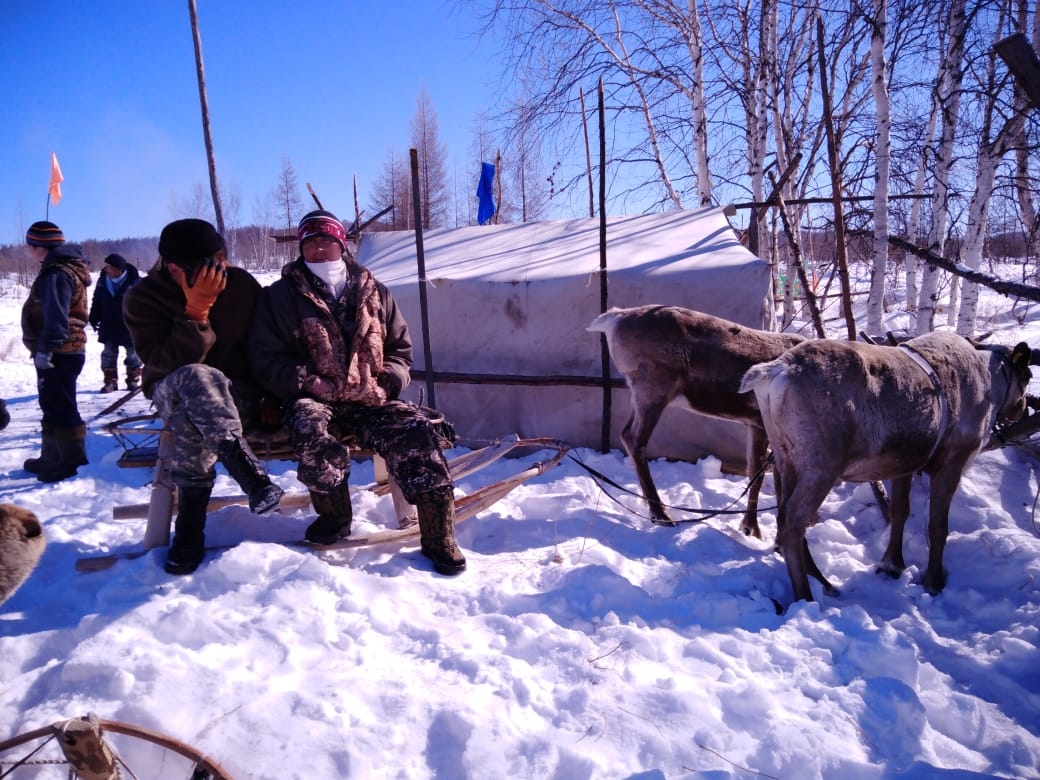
990,156
883,142
949,81
698,110
911,261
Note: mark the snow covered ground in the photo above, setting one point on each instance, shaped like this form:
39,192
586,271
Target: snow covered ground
581,643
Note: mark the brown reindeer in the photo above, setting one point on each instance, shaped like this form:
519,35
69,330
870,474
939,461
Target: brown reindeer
21,544
669,354
839,410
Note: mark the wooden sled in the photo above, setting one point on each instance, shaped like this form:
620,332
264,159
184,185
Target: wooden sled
90,748
145,445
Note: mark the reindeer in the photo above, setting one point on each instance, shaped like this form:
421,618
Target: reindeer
669,354
840,410
21,544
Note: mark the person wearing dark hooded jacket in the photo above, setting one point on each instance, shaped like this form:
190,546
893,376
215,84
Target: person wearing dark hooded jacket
189,318
329,341
106,318
54,319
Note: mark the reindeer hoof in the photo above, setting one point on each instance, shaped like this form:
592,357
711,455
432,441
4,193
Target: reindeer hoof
665,521
889,570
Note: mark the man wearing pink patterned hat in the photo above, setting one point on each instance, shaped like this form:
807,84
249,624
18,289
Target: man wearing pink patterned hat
329,340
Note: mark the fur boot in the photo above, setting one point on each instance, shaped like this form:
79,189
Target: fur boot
188,547
246,470
335,515
111,380
5,416
133,378
72,453
437,527
21,544
48,452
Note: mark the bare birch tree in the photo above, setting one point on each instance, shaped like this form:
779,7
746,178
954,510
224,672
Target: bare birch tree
882,153
995,138
948,85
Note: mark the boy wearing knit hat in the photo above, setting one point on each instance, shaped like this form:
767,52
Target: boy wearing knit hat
329,340
189,319
106,318
54,319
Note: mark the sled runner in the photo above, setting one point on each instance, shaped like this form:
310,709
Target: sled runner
92,749
147,445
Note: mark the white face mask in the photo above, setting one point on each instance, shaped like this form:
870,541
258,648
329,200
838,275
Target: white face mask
333,274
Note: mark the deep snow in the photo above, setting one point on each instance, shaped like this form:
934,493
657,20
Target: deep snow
581,643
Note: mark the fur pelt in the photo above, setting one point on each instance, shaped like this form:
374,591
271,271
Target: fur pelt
21,544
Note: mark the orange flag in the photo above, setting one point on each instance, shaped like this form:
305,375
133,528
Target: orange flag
56,180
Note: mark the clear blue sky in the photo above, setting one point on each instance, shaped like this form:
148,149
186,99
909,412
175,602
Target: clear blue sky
111,88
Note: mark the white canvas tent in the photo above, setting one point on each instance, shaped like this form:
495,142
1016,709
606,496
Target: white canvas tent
513,302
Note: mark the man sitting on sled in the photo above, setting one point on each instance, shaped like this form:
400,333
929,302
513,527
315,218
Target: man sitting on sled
329,340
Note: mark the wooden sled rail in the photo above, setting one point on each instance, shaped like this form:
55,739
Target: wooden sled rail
149,446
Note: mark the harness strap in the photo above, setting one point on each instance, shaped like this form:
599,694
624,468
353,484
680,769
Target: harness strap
944,405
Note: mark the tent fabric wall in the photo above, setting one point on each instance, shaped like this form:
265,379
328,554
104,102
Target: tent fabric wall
516,299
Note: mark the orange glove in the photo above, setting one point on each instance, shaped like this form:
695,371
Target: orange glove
201,293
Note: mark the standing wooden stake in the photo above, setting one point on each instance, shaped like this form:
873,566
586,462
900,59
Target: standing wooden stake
214,189
431,398
604,350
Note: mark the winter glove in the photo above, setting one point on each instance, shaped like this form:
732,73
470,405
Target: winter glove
42,360
319,387
201,293
390,383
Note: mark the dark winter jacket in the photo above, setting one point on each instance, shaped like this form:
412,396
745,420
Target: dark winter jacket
106,309
54,316
279,348
165,339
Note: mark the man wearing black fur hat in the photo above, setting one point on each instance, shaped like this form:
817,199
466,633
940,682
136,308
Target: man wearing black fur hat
189,318
329,340
106,318
54,320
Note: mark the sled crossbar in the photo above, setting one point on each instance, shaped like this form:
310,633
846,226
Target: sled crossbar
147,446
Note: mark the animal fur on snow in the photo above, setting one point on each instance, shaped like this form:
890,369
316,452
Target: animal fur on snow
21,544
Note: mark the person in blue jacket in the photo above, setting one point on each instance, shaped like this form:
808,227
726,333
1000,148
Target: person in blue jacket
106,318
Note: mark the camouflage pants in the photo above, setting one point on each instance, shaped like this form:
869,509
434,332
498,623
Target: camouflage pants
198,406
400,433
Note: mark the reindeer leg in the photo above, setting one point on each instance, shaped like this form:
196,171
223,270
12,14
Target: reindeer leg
892,562
757,447
646,413
800,502
944,485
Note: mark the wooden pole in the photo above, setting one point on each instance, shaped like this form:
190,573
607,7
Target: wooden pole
498,187
218,213
431,398
588,153
1022,61
604,350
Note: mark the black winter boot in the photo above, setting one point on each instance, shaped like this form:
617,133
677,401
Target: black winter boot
72,453
246,470
5,416
334,516
437,527
48,452
188,547
111,380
